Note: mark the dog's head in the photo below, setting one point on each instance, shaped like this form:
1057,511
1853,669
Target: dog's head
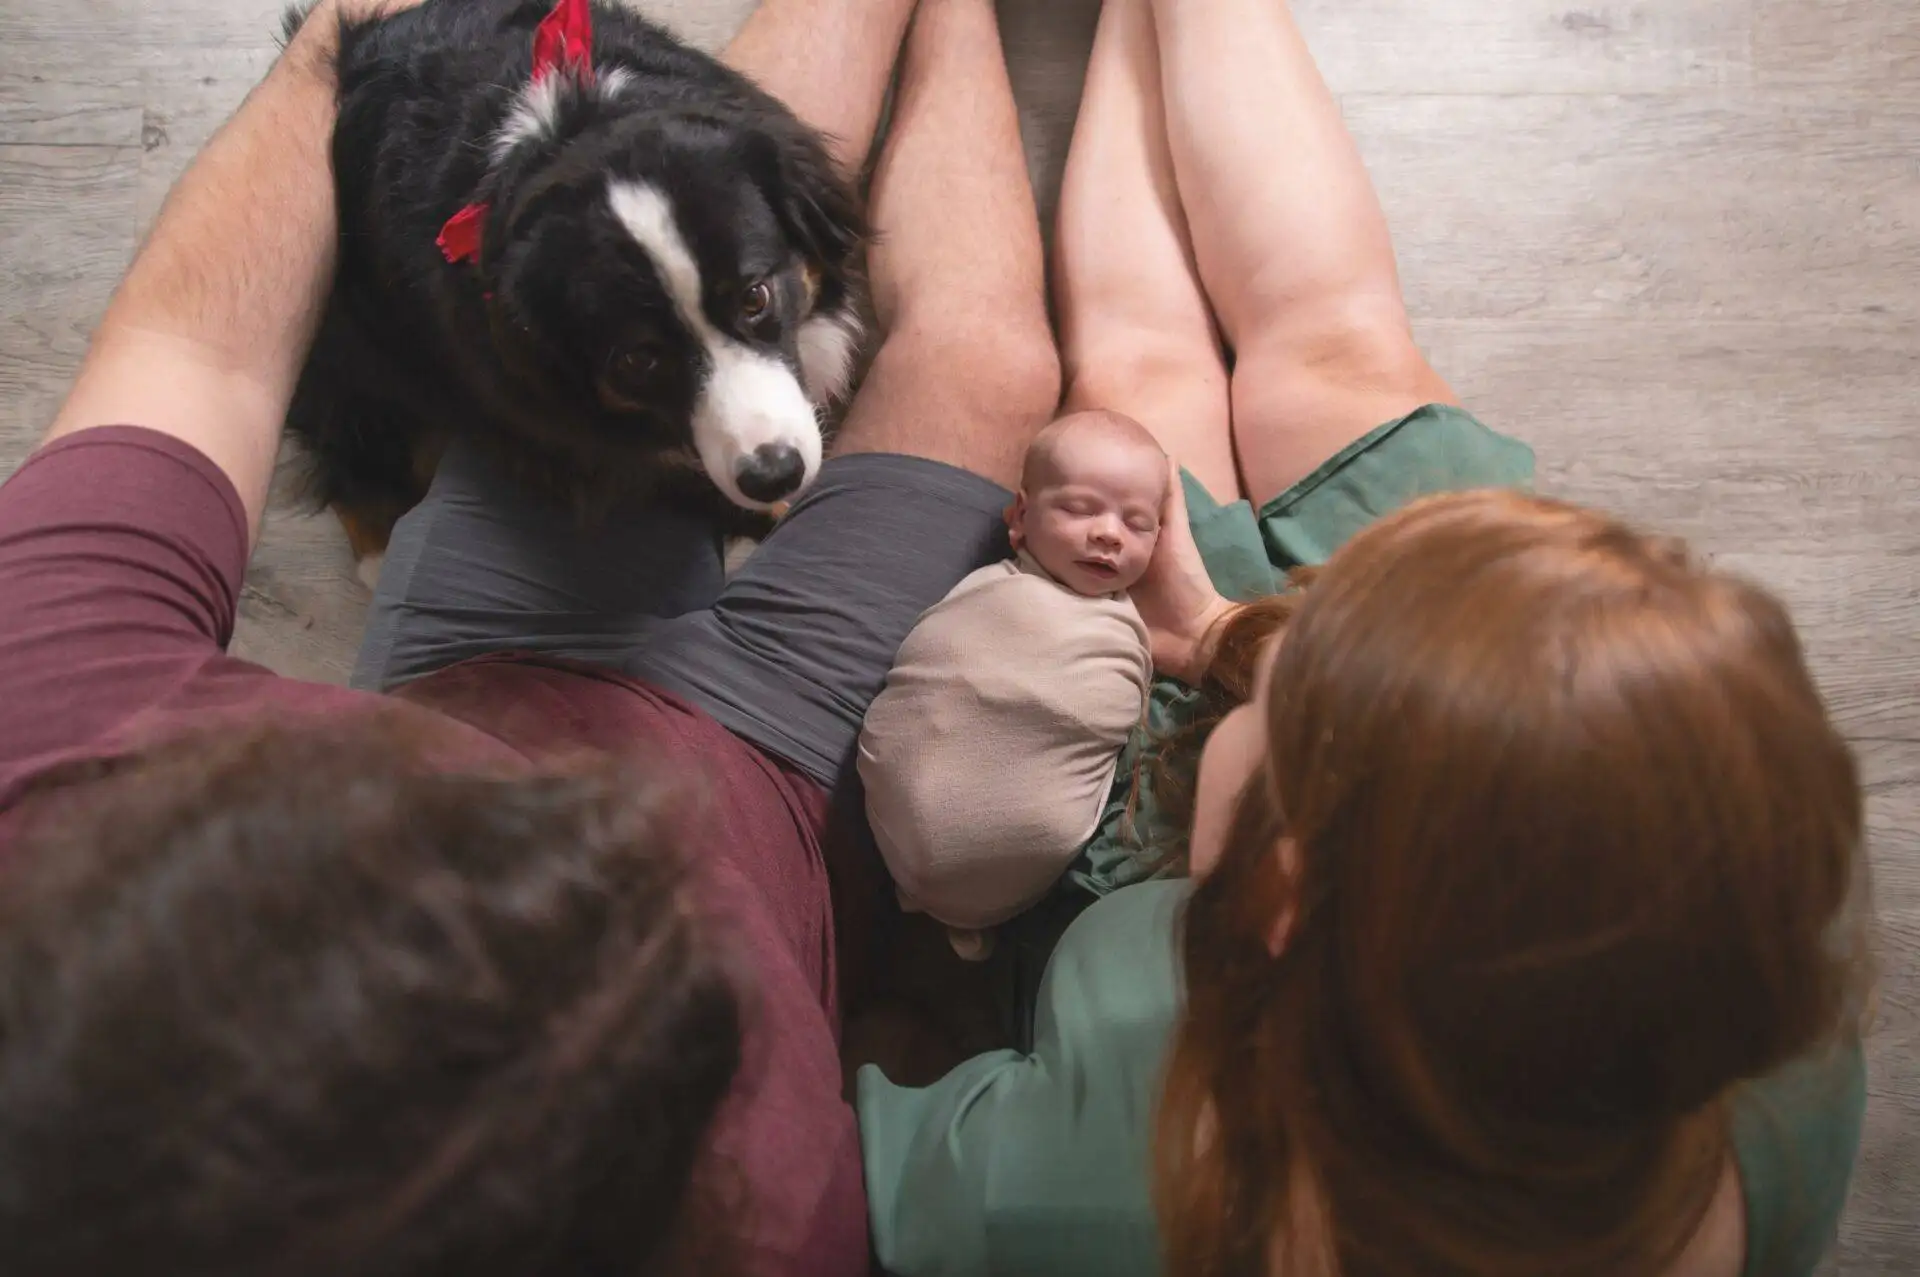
668,276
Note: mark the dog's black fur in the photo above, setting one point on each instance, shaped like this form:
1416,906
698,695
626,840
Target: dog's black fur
561,347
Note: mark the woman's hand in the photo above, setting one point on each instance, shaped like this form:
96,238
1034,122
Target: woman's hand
1176,597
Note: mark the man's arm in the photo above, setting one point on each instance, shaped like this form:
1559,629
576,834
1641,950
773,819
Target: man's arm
206,335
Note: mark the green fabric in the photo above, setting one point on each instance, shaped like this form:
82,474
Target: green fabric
1436,449
1248,554
1795,1136
1040,1163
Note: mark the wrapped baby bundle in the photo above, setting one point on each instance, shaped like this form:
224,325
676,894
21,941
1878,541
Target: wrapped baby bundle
989,754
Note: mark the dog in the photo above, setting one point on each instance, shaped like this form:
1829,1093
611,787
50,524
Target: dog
601,254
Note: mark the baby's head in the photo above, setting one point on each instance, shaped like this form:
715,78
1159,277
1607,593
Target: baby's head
1090,501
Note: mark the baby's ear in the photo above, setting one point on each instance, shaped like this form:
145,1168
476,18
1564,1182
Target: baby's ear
1015,516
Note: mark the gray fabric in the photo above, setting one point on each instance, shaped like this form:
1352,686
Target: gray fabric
482,566
788,654
801,640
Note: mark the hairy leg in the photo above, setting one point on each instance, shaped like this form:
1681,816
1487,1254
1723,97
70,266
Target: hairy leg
1136,335
1289,237
830,61
966,371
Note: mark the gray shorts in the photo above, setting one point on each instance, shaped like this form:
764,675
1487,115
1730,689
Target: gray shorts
788,654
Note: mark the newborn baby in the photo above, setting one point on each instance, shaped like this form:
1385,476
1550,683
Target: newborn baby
990,753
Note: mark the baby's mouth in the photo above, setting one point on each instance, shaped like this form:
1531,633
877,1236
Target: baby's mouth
1099,567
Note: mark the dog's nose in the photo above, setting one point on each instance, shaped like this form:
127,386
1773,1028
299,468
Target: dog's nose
773,471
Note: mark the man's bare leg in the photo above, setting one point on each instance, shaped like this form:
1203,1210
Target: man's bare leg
1289,237
966,372
830,61
1136,334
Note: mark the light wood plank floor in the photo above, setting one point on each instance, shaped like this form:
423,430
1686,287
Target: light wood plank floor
1675,246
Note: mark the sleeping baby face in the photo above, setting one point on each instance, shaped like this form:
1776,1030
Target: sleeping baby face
1090,501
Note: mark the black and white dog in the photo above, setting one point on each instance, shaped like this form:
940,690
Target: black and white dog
595,249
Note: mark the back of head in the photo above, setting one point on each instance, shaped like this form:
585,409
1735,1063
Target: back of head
293,1003
1573,837
1102,432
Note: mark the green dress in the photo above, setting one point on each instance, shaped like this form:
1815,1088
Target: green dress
1038,1161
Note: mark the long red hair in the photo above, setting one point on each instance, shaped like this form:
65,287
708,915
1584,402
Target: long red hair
1568,836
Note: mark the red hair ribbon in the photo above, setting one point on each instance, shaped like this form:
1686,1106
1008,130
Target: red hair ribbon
459,239
564,39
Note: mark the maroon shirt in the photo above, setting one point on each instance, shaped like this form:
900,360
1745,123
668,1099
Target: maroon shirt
122,553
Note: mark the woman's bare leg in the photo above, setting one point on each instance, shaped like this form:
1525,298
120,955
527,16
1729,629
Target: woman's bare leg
1289,238
1135,333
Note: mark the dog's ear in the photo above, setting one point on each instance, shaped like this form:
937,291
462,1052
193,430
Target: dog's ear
816,205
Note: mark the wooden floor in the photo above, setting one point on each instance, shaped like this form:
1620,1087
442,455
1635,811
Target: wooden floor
1675,245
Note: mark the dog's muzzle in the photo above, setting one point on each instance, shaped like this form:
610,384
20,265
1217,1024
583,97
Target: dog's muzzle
755,430
771,472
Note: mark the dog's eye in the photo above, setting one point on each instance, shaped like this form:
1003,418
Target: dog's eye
630,377
755,303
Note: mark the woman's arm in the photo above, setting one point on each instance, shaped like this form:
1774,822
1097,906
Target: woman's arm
1176,597
1040,1164
207,333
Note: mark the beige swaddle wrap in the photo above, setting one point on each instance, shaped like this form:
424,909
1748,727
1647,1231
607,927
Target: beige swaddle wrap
989,754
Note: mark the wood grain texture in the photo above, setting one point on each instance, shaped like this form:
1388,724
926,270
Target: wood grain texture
1529,46
1783,205
1778,435
707,25
1854,612
113,25
66,233
302,608
1877,1236
54,96
1852,43
1675,246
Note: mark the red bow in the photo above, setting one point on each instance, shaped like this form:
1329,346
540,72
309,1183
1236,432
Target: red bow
564,39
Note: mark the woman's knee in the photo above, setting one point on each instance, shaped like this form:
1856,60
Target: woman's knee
1301,395
1362,343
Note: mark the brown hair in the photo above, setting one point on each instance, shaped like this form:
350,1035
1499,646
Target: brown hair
1168,767
1570,834
300,1001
